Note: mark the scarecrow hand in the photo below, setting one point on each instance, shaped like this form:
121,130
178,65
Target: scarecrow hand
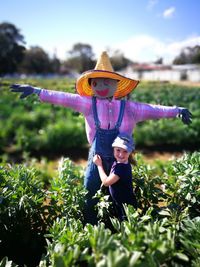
185,115
25,89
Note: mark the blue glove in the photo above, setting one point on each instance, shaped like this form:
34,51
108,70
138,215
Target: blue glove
185,115
25,89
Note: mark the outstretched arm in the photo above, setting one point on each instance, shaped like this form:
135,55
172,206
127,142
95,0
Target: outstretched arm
106,180
74,101
143,111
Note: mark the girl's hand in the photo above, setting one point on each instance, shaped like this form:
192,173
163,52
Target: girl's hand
97,160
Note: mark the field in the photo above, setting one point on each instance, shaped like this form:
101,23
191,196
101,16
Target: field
41,203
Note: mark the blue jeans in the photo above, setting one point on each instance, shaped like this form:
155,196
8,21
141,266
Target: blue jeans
102,145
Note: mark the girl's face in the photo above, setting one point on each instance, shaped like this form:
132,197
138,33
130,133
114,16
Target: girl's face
121,155
103,87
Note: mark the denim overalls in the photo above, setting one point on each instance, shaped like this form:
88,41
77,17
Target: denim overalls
102,145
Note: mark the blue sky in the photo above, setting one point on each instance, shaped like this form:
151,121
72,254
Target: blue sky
143,30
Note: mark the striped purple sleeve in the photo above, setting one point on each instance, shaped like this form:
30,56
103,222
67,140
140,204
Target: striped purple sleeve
76,102
142,111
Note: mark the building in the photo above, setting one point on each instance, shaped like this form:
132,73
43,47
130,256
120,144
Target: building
159,72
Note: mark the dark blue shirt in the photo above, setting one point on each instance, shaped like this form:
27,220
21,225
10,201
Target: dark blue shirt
122,190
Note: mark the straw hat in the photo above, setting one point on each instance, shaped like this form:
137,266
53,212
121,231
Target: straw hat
104,69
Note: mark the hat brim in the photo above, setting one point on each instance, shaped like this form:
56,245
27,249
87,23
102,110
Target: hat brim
128,149
124,85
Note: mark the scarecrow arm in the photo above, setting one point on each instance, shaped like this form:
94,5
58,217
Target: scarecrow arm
25,89
185,115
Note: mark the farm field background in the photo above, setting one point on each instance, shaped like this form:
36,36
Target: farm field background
42,129
41,200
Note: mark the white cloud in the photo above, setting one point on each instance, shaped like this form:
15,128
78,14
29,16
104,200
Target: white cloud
151,4
141,48
58,49
174,48
168,13
145,48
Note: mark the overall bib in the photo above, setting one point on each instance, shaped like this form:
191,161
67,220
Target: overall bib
102,145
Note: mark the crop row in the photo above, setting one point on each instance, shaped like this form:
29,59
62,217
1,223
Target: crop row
41,224
40,128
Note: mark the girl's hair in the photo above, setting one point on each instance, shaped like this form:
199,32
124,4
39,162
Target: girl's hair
131,159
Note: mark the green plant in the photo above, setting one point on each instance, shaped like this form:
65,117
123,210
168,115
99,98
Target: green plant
148,187
66,193
22,215
165,233
190,239
182,179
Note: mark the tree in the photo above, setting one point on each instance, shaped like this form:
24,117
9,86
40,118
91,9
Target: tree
159,61
55,65
36,61
80,58
11,48
119,61
196,54
189,55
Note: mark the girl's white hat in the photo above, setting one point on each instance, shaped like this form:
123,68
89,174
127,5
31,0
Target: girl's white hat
124,141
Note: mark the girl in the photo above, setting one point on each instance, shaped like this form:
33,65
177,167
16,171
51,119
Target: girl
119,180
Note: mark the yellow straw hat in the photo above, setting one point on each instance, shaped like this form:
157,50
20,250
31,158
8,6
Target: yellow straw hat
104,69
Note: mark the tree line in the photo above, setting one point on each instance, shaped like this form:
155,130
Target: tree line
16,58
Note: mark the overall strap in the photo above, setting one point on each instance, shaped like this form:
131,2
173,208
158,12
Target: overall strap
94,108
121,114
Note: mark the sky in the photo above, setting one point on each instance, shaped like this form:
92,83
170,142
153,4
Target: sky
143,30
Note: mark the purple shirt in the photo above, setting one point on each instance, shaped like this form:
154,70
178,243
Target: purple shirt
108,111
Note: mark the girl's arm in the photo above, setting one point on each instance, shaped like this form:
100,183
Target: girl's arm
106,180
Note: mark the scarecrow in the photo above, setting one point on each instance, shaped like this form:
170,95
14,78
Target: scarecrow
101,98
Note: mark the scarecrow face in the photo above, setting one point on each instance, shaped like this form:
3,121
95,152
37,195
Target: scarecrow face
103,87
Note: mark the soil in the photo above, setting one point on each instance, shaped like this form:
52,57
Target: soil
80,157
148,155
163,156
187,83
